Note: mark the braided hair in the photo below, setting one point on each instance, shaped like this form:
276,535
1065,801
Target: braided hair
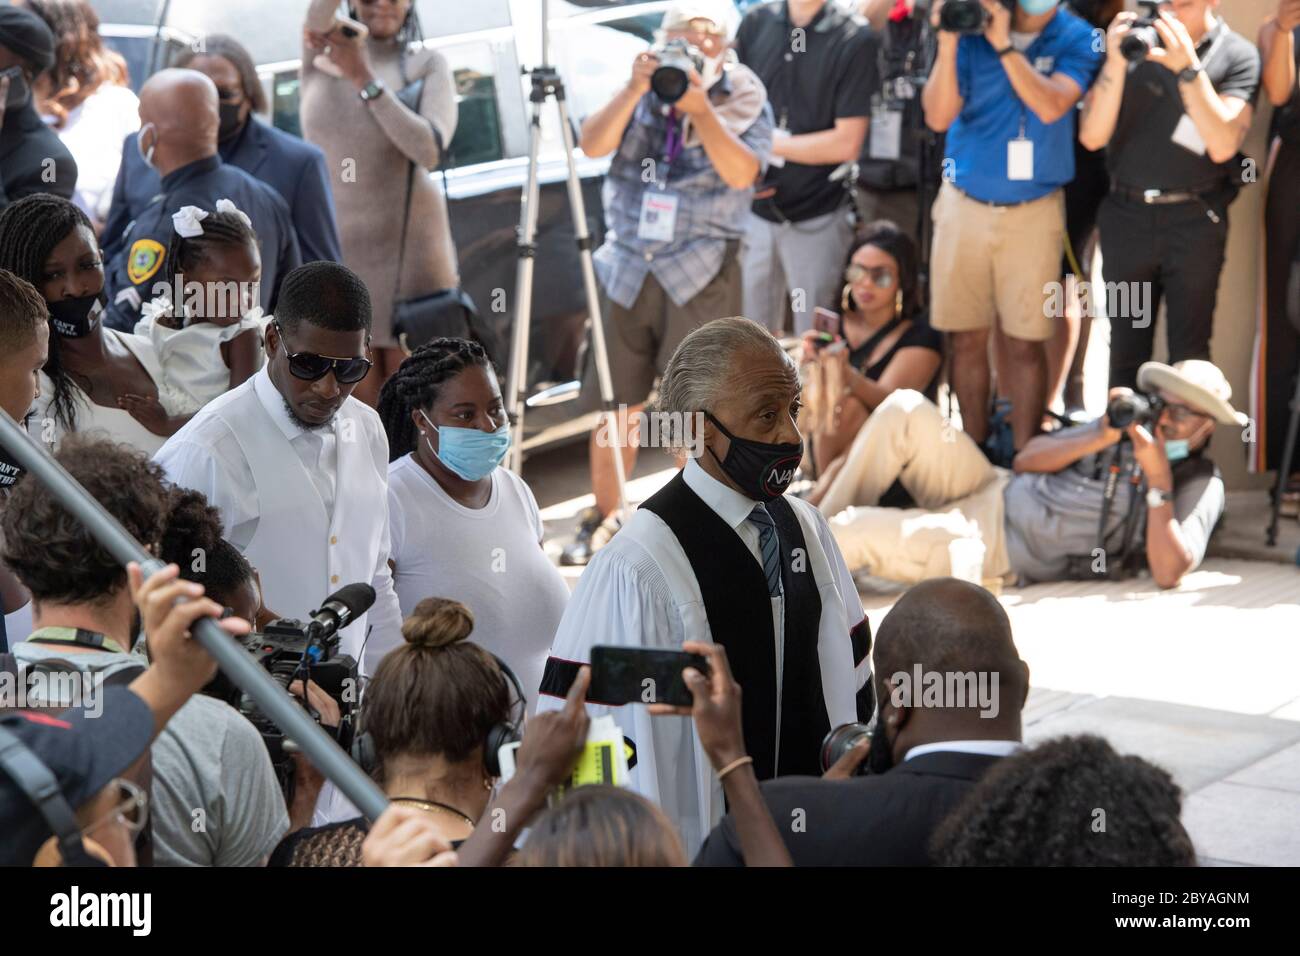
219,229
29,230
416,383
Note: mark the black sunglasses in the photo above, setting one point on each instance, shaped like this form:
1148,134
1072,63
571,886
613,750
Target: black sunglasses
312,367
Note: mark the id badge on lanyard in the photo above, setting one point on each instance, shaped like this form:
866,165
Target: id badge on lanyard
885,138
1020,155
658,221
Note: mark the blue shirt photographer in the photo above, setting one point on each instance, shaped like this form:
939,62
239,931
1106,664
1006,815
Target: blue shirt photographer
992,115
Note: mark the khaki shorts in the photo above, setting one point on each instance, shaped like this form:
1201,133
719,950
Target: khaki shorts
993,262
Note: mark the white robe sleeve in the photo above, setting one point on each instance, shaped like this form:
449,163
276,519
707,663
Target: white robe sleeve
623,599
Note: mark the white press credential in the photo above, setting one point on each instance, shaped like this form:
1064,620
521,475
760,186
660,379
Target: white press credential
308,508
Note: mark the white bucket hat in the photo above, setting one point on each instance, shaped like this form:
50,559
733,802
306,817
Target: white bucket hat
1199,383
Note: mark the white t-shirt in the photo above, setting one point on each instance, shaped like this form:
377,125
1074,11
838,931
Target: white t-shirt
490,559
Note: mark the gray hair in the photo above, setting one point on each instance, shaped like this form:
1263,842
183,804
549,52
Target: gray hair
699,372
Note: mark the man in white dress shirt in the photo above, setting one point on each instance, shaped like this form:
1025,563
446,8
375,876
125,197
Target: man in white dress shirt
721,555
296,466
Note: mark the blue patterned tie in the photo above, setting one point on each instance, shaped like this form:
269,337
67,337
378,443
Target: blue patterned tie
769,546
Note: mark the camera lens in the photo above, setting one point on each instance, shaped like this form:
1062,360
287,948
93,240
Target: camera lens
840,741
1138,42
669,83
963,16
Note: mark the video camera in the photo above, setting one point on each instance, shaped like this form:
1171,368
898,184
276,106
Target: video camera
672,78
291,650
1141,37
967,16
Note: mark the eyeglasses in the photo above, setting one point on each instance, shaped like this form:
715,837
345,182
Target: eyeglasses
881,277
1178,414
131,812
311,367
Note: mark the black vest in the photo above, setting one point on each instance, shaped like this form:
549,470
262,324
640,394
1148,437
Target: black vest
739,610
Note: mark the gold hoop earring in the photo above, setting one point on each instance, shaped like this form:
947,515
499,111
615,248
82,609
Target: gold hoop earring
898,303
846,299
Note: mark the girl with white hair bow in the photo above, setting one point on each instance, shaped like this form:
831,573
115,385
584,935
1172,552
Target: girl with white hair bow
204,321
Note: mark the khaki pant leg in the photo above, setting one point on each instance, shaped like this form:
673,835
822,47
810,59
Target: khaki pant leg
907,438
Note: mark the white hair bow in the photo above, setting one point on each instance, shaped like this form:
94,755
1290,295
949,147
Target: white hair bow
225,205
188,222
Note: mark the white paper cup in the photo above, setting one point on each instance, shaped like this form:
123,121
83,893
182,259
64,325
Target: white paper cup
966,559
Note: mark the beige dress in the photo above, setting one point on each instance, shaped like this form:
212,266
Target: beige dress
369,148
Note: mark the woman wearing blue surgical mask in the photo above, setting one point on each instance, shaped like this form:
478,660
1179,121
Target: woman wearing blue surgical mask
463,527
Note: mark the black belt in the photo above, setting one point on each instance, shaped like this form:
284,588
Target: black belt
999,205
1162,197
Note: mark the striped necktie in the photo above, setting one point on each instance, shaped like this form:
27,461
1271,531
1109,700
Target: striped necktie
770,548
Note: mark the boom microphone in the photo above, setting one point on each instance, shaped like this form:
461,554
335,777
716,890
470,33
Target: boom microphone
340,609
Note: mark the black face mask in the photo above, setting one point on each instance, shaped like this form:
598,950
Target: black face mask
75,318
762,470
10,471
231,123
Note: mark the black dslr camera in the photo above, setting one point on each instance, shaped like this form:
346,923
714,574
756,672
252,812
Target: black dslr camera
1141,37
967,16
672,78
293,650
1134,408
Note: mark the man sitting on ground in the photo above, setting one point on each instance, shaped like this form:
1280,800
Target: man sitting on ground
1044,522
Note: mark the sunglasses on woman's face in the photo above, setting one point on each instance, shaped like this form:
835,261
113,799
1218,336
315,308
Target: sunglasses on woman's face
311,367
881,277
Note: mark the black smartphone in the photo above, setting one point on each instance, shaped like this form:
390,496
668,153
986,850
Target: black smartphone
18,92
641,675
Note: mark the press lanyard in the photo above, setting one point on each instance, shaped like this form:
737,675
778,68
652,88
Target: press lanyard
674,142
79,638
1214,47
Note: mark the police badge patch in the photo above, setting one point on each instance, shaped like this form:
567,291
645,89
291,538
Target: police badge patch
146,258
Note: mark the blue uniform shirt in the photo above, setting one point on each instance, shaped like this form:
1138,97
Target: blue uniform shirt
992,113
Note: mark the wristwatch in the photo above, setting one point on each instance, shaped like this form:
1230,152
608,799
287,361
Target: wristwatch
1157,497
371,90
1190,74
1009,48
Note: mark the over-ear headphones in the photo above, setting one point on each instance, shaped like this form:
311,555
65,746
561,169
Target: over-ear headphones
498,736
41,787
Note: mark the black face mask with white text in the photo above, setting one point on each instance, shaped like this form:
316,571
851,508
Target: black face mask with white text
10,471
762,470
75,318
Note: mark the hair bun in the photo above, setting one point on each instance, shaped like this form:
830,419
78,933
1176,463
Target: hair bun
437,622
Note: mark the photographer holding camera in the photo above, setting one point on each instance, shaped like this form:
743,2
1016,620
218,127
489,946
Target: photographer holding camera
215,799
1003,86
1172,106
1099,500
690,133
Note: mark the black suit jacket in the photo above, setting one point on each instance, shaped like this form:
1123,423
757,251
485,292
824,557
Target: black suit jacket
881,820
32,158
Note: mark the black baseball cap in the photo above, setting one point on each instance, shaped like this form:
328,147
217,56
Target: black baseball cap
84,750
26,34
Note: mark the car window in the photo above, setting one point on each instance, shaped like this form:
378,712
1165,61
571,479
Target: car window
475,67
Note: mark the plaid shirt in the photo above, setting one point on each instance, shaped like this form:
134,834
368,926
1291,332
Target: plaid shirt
709,212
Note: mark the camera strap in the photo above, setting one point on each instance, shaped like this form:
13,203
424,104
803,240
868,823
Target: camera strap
78,637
